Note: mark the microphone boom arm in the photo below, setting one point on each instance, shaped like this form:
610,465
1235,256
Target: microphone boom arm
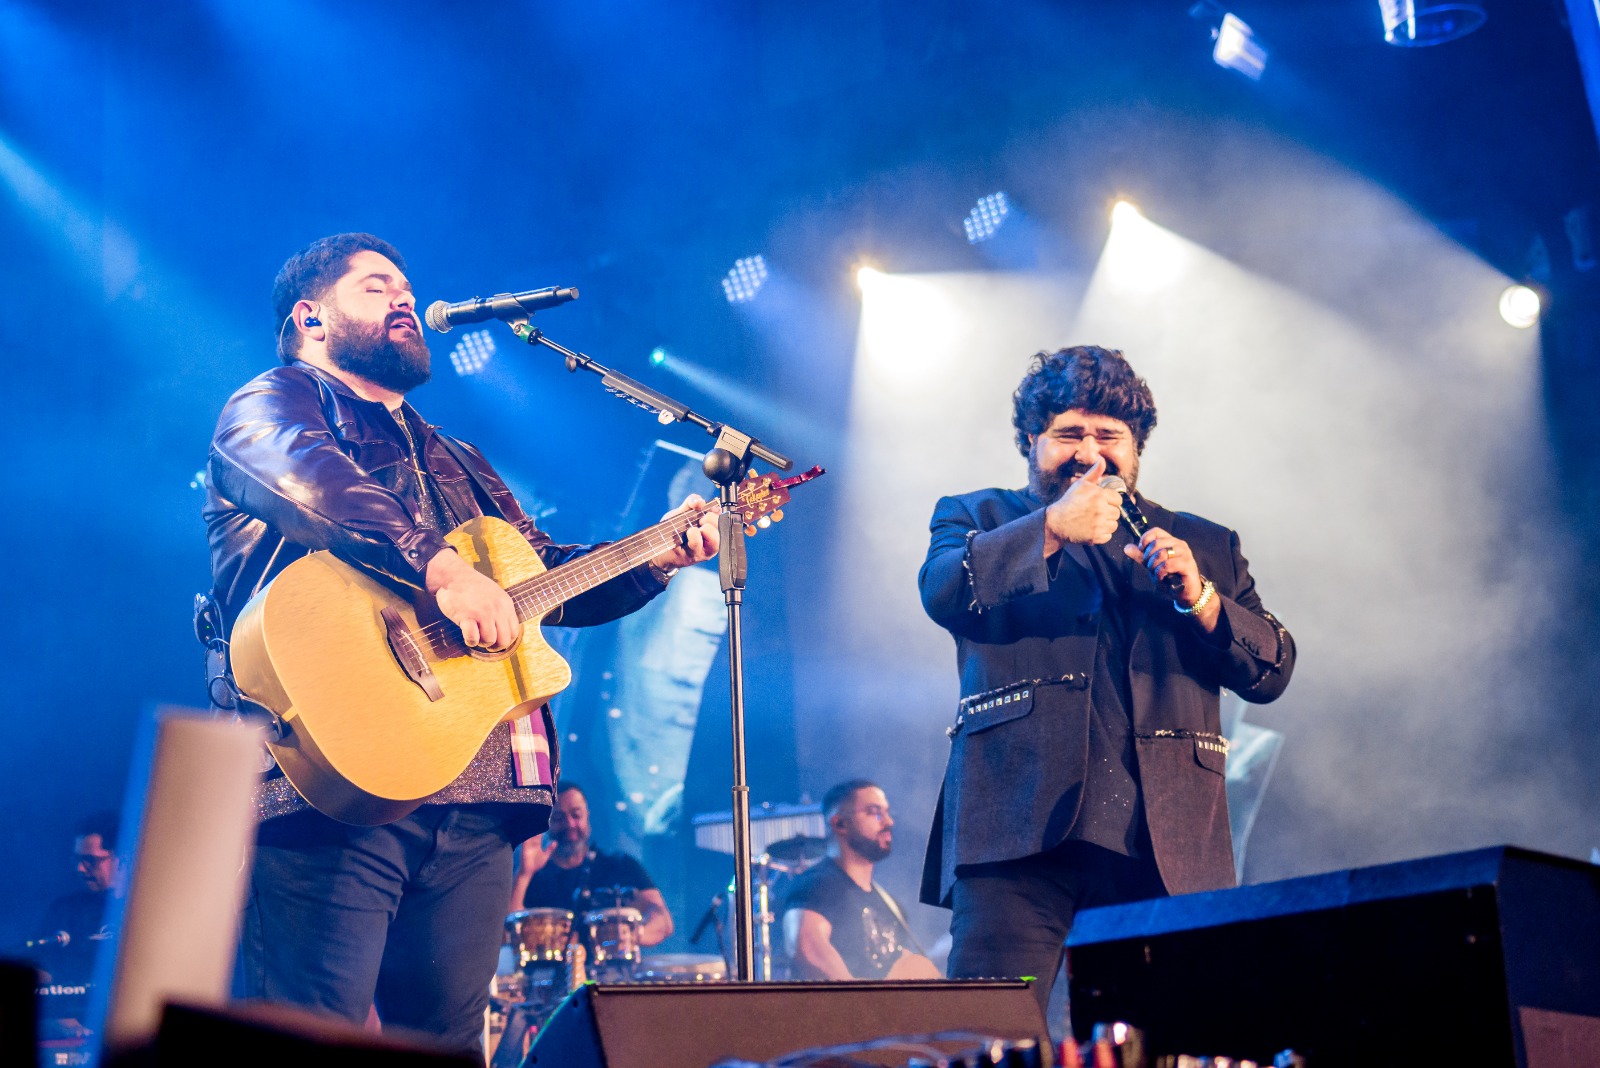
637,393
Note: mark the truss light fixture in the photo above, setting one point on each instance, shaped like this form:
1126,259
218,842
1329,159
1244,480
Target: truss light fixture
741,284
1408,24
986,217
472,352
1237,48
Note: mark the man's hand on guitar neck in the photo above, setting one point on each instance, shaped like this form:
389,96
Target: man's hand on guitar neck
698,543
473,602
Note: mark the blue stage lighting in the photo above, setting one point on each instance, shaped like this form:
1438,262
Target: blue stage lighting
986,217
1237,48
472,352
744,281
1407,24
658,355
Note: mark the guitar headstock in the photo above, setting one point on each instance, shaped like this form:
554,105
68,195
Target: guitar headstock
762,497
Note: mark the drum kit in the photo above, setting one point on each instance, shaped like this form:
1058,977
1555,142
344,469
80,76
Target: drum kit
550,952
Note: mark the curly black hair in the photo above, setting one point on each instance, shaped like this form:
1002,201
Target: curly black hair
1087,378
311,272
104,823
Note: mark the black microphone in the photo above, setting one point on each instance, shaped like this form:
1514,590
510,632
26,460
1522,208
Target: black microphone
442,316
707,920
59,938
1136,521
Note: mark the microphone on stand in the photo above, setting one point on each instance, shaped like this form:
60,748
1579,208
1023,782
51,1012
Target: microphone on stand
56,939
442,316
707,920
1134,517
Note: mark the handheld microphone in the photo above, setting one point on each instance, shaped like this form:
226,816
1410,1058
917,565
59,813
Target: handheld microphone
442,316
1134,517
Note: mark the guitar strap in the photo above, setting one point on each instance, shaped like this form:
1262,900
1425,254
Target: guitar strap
532,762
916,944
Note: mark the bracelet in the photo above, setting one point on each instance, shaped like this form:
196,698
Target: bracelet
663,573
1207,591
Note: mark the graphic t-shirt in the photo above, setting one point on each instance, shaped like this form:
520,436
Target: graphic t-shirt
866,932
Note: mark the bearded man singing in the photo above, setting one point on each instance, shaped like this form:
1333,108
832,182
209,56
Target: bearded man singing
323,452
1086,765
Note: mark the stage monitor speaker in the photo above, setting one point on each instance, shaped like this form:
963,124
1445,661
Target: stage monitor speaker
1490,957
694,1025
260,1035
19,1012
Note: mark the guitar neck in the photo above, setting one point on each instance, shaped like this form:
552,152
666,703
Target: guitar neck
539,596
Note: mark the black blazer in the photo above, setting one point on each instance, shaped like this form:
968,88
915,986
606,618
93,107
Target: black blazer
1025,629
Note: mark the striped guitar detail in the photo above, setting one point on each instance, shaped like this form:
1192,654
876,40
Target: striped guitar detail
381,701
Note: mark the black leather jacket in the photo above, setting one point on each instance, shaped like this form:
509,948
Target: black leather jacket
299,463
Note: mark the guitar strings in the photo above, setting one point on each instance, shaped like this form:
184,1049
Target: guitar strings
571,579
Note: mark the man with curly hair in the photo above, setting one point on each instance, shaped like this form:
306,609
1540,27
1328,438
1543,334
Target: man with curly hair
1087,761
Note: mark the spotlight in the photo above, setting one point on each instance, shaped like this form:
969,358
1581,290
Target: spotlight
472,352
1140,256
1237,48
986,217
1520,306
1125,211
658,356
741,284
1406,25
866,275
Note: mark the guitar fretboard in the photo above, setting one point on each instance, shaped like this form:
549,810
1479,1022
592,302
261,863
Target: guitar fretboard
539,596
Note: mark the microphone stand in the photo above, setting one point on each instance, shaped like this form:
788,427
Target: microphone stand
726,464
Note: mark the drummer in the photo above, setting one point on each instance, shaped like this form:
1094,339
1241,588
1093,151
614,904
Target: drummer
837,922
560,869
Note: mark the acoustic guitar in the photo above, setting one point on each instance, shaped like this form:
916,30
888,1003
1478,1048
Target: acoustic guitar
382,703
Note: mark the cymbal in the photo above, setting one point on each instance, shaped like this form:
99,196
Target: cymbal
798,853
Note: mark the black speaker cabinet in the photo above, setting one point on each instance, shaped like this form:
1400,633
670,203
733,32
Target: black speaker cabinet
694,1025
19,1016
259,1035
1484,958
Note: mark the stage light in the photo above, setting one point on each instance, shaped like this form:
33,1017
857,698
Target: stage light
1520,306
986,217
745,279
1140,256
658,356
866,275
1406,25
1237,48
472,352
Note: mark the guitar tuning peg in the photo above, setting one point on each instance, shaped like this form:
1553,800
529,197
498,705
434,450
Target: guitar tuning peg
764,522
749,531
777,515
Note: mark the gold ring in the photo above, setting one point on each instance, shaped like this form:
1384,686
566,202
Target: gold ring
1172,550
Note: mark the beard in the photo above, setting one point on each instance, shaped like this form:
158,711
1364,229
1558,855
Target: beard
1048,486
867,847
366,349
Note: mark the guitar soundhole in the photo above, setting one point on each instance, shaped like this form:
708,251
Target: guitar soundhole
485,654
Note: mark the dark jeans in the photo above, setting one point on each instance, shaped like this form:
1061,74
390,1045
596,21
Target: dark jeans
407,916
1011,918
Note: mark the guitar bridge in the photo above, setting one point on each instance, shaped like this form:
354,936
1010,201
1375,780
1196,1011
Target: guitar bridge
405,649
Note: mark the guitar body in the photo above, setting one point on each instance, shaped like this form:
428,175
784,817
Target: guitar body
364,743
